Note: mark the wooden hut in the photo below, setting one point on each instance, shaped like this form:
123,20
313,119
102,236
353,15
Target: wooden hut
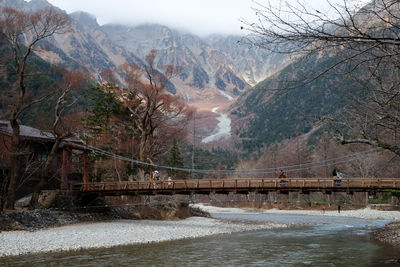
70,167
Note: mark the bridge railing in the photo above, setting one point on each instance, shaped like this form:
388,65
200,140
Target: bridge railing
267,183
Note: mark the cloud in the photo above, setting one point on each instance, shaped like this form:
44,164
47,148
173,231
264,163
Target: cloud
202,17
199,16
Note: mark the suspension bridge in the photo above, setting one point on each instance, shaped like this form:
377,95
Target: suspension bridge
242,184
239,186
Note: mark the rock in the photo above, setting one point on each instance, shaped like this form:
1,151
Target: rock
16,226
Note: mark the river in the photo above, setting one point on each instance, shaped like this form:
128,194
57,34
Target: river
315,240
223,129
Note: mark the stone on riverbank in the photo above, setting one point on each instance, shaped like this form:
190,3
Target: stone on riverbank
390,233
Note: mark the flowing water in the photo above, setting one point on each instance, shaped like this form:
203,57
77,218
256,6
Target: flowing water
318,241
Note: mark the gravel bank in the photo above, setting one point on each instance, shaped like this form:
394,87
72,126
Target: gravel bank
122,232
366,213
390,233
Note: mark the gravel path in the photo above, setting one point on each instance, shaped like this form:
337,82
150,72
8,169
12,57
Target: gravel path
366,213
123,232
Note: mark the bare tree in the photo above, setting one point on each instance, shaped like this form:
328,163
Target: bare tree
158,115
23,31
363,38
145,118
375,119
60,129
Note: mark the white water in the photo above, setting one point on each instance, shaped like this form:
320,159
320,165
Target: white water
223,129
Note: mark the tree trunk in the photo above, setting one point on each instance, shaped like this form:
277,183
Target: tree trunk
45,175
142,148
15,164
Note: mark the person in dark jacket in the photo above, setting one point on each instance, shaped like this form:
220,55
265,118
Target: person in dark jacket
334,173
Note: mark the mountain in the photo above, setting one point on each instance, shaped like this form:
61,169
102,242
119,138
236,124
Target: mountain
203,66
216,65
216,69
86,46
255,64
291,102
294,100
216,62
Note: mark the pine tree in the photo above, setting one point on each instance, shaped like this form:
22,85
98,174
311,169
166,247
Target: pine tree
175,160
102,105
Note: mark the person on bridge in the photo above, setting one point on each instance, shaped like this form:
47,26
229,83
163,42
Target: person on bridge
169,182
154,178
282,176
334,173
337,178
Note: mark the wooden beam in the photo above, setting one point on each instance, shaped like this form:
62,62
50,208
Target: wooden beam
64,169
85,169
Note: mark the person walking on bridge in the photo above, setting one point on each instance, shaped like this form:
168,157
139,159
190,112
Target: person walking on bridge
282,176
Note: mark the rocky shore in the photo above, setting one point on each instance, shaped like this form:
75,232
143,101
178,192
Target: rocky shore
390,234
41,231
116,233
31,220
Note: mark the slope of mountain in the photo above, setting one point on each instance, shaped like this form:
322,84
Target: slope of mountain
275,110
86,46
204,66
255,64
89,46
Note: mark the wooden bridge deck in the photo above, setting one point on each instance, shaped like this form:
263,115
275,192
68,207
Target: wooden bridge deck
241,186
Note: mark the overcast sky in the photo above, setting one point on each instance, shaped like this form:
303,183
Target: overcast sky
201,17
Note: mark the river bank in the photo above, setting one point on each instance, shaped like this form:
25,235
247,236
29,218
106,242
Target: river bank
365,213
129,232
31,220
117,233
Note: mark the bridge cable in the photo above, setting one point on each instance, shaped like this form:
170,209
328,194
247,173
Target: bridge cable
290,168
